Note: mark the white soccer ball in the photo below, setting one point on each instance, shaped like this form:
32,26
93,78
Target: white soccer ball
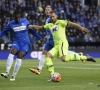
56,77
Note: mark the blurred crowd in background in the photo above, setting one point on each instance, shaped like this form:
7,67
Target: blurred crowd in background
72,10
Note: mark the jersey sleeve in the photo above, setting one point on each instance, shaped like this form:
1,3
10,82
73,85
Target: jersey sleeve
46,26
5,30
64,22
34,33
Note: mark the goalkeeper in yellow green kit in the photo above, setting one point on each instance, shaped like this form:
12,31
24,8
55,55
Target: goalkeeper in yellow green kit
57,28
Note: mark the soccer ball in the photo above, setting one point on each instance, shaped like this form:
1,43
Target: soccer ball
56,77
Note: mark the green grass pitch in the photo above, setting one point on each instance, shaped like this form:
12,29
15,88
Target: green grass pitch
75,76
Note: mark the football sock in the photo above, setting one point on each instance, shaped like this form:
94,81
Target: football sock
49,65
17,66
9,62
75,57
41,62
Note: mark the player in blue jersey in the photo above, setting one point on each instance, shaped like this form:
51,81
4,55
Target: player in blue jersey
48,45
21,42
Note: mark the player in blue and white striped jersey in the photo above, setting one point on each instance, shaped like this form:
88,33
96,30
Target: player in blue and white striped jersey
21,42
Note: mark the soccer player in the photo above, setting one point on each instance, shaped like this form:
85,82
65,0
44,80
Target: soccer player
21,42
57,28
48,45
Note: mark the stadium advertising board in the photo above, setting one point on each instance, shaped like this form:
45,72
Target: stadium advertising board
37,55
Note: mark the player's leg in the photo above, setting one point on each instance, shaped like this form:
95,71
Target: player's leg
70,57
47,46
76,57
14,49
41,63
80,53
42,60
49,57
22,52
71,52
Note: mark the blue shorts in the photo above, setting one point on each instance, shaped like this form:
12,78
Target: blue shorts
24,47
48,45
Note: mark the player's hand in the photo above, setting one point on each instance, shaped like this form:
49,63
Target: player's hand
84,29
47,36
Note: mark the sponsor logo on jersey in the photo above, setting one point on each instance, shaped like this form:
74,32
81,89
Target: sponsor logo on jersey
19,28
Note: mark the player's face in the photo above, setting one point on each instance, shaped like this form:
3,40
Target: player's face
17,18
53,17
47,10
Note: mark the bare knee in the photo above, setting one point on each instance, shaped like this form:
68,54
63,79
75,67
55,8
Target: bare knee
44,52
49,55
13,51
63,58
20,55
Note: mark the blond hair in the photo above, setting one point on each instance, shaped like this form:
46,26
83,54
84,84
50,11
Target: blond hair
48,6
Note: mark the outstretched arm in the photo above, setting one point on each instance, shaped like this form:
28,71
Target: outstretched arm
36,27
35,34
71,24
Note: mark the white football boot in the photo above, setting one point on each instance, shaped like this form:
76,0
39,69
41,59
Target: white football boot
12,78
5,75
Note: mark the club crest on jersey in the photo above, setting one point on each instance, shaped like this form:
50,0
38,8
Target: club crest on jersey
23,24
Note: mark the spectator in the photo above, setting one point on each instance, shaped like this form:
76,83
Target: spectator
85,15
88,38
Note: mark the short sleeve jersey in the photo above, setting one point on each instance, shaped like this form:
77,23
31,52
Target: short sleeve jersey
58,30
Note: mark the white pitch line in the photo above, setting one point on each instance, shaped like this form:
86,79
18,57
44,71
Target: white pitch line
80,68
93,64
76,68
65,67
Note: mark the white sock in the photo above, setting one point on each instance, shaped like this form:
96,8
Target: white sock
41,62
72,52
9,62
17,66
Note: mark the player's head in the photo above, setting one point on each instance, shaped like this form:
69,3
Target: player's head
48,9
53,16
16,16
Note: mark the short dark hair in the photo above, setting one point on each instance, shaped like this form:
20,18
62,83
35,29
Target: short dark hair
16,12
52,12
